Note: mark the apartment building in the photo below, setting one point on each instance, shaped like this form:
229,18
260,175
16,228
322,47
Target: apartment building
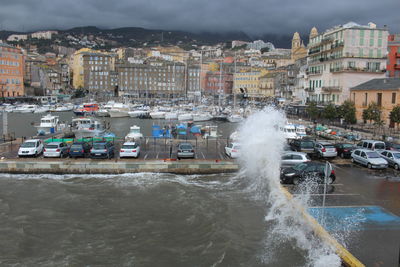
384,92
11,71
393,63
218,83
343,57
248,83
97,68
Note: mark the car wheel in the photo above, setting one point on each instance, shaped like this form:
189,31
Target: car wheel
342,155
369,166
396,167
330,180
296,180
352,160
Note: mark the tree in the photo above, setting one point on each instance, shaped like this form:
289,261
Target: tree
347,111
395,115
264,50
329,112
312,110
372,113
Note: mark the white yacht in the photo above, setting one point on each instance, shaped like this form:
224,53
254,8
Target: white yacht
48,124
157,114
185,116
103,111
42,109
134,134
26,109
235,118
87,127
202,116
119,110
289,130
172,115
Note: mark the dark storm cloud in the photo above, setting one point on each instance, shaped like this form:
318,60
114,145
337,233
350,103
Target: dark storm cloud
251,16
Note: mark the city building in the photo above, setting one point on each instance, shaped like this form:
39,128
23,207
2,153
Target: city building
393,63
343,57
11,71
298,49
248,83
260,44
97,72
218,83
384,92
43,34
17,37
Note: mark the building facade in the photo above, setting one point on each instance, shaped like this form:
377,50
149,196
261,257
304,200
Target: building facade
384,92
218,83
343,57
393,63
11,71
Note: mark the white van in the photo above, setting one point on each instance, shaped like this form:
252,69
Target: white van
372,145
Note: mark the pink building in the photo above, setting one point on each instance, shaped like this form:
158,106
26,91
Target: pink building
214,81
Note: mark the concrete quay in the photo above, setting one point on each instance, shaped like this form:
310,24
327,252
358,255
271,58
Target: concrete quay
87,166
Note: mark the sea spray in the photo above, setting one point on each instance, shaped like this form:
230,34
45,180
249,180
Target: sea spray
262,144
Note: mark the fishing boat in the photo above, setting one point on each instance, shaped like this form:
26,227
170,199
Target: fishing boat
87,127
48,124
119,110
86,109
134,134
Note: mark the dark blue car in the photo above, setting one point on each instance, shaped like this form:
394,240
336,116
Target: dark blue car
102,149
79,149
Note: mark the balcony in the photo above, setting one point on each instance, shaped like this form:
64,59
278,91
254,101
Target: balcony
332,88
354,69
308,89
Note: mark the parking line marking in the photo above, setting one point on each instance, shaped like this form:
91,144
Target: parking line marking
157,155
204,157
220,155
327,194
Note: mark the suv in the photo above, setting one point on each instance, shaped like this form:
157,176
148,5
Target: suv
79,149
369,158
371,145
304,171
32,147
185,150
129,149
293,158
325,150
303,145
344,150
102,149
55,149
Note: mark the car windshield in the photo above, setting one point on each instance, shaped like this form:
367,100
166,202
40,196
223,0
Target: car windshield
396,155
99,146
185,147
128,146
28,144
379,146
307,144
347,146
372,155
328,146
300,167
52,146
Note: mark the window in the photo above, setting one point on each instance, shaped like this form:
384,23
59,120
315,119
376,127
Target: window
365,100
371,42
379,99
393,98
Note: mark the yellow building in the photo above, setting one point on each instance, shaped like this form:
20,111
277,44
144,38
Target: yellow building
384,92
298,48
76,66
248,82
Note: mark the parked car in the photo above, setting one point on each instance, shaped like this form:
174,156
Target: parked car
344,150
325,150
368,158
392,157
56,150
304,171
102,149
371,145
303,145
79,149
232,150
185,150
290,159
392,146
32,147
129,150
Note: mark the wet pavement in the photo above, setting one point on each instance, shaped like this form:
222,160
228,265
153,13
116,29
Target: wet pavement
362,211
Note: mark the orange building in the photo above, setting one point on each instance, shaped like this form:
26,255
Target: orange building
11,71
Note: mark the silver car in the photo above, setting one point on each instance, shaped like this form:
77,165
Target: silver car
185,150
55,150
392,157
369,158
325,150
290,159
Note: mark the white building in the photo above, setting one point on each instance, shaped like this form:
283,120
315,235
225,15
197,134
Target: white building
43,34
259,44
17,37
343,57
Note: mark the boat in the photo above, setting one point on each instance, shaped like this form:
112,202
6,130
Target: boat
235,118
86,109
48,124
42,109
157,114
185,117
138,113
300,130
134,134
26,109
289,130
103,111
172,115
119,110
202,116
87,127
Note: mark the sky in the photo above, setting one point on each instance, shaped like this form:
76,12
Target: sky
253,17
